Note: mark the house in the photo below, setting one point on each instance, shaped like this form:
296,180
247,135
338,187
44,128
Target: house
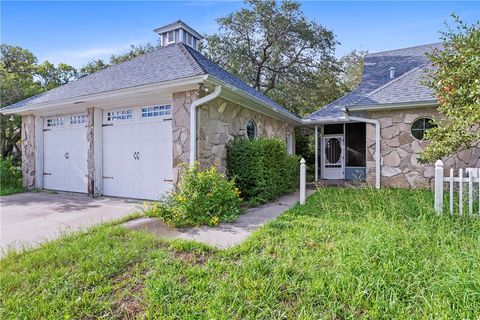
377,130
124,131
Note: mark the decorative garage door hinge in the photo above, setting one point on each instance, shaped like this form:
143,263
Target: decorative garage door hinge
168,180
47,174
47,129
107,177
107,124
167,119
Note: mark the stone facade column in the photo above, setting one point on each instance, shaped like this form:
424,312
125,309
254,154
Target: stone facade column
90,152
181,102
28,151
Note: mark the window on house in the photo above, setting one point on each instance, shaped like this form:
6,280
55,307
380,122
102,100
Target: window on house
120,115
55,122
289,143
251,129
171,37
78,119
156,111
419,127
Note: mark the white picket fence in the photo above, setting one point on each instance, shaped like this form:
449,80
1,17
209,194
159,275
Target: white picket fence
468,178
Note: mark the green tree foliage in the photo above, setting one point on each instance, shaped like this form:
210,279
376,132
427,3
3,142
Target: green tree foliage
22,77
277,50
352,69
455,79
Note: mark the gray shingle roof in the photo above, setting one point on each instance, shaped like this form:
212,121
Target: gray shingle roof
405,87
215,70
163,64
173,62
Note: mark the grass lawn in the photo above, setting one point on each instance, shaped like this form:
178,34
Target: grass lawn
348,253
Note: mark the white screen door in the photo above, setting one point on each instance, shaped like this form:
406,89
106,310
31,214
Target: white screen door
333,157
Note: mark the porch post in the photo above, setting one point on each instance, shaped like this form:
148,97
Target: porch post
321,148
316,152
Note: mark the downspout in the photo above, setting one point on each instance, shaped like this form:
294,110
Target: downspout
193,120
377,146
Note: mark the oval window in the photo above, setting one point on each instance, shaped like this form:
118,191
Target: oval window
419,127
251,129
333,150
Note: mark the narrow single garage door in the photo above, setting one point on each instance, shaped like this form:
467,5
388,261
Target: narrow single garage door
65,153
137,152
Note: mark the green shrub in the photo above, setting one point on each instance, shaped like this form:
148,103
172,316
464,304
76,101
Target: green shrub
10,177
202,198
262,168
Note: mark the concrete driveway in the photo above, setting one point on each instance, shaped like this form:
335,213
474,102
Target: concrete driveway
27,219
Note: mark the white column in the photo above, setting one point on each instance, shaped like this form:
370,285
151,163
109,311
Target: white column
38,152
316,153
439,186
303,182
321,150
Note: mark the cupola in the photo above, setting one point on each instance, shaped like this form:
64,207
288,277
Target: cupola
177,32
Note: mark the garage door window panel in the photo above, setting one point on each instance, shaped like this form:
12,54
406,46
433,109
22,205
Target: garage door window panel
120,115
156,111
78,119
55,122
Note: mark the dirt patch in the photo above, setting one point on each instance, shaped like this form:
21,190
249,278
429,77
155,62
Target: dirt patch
191,257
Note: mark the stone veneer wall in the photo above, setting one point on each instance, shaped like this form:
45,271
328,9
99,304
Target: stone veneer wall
28,151
400,150
181,102
221,121
90,152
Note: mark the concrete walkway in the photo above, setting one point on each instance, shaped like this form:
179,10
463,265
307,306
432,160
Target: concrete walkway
226,234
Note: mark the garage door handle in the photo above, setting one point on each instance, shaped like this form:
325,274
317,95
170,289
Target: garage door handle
107,177
168,180
67,155
136,155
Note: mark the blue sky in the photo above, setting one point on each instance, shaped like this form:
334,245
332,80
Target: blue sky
78,32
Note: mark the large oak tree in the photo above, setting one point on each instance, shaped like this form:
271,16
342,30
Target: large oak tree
274,47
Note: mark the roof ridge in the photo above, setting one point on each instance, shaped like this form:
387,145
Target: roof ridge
393,81
190,57
402,49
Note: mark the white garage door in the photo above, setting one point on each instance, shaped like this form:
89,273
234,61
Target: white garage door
137,152
65,153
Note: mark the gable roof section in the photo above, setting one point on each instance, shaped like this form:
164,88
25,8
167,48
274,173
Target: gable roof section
407,88
376,86
164,64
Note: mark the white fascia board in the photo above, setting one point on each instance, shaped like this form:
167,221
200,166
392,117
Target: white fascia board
242,98
389,106
91,100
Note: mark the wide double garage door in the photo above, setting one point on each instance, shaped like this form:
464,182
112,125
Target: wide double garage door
136,155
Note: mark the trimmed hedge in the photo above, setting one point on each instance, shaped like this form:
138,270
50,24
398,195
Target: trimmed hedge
262,168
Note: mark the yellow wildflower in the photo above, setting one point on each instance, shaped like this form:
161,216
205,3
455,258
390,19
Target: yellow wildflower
214,220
